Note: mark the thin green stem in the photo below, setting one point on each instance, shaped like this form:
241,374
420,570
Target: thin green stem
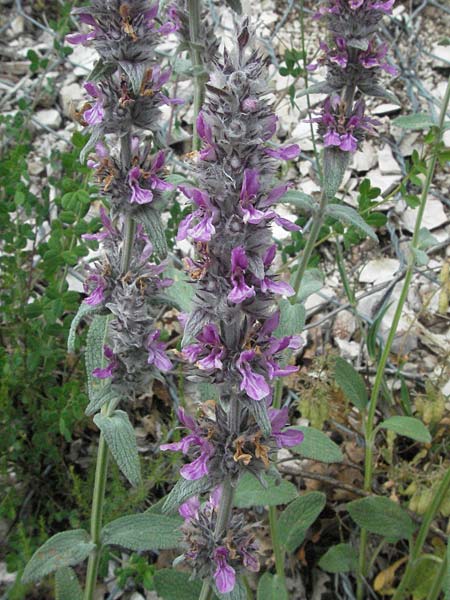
369,428
101,472
310,245
197,65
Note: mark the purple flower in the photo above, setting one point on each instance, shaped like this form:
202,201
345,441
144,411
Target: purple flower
198,468
139,195
205,132
189,509
239,263
111,366
286,153
211,344
254,384
199,224
157,353
268,284
155,182
331,138
248,196
374,57
285,438
110,230
99,285
224,575
95,114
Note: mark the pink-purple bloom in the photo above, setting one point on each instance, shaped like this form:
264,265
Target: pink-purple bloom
239,264
139,195
199,224
95,114
113,364
157,353
284,437
224,575
253,383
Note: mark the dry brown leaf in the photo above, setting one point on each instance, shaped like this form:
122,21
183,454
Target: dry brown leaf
385,578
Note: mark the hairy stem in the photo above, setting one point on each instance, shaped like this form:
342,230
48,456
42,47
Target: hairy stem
369,427
227,496
310,245
101,468
101,472
197,65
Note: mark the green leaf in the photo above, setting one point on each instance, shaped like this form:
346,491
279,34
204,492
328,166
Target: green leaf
415,121
446,587
409,427
261,416
119,435
181,291
426,239
144,531
135,72
382,516
351,383
151,220
67,586
335,163
62,550
250,492
182,491
100,398
299,199
317,445
297,517
311,283
348,215
94,358
341,558
271,587
83,310
292,318
175,585
322,87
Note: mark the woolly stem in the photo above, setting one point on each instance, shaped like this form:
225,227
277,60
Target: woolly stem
101,468
369,428
197,65
227,496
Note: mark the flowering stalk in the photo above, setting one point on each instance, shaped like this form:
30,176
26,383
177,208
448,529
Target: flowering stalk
126,88
194,34
354,61
229,336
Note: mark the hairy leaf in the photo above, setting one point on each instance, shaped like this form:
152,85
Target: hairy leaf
318,88
181,291
299,199
292,318
415,121
261,415
335,162
182,491
84,309
238,593
409,427
62,550
341,558
67,586
311,283
317,445
382,516
346,214
250,492
94,358
271,587
351,383
171,585
298,516
146,531
121,440
151,220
